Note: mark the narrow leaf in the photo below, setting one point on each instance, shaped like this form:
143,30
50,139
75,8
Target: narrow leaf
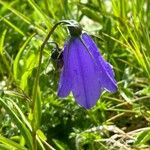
11,143
16,68
13,26
2,38
25,131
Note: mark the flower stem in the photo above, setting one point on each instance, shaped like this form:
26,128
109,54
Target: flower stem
36,81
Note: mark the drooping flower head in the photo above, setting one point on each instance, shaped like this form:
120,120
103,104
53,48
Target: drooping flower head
85,72
57,56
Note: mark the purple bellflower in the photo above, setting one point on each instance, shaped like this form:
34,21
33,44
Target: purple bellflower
85,73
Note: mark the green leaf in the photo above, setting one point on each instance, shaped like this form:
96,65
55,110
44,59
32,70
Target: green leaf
41,135
16,66
2,38
13,26
143,138
91,14
59,144
22,126
11,143
29,65
42,15
5,147
37,110
23,118
22,16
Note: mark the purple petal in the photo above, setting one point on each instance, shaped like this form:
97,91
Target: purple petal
64,87
84,74
106,74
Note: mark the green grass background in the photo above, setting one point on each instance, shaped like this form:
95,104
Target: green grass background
33,117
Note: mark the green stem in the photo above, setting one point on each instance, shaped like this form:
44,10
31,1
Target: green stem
39,63
36,81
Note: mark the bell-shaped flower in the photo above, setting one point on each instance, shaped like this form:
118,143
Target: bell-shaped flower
85,73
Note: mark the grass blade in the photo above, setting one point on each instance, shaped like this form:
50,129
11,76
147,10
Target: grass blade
11,144
16,68
25,131
13,26
2,38
42,15
143,137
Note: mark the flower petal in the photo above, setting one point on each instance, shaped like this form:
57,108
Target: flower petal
106,74
64,87
84,73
